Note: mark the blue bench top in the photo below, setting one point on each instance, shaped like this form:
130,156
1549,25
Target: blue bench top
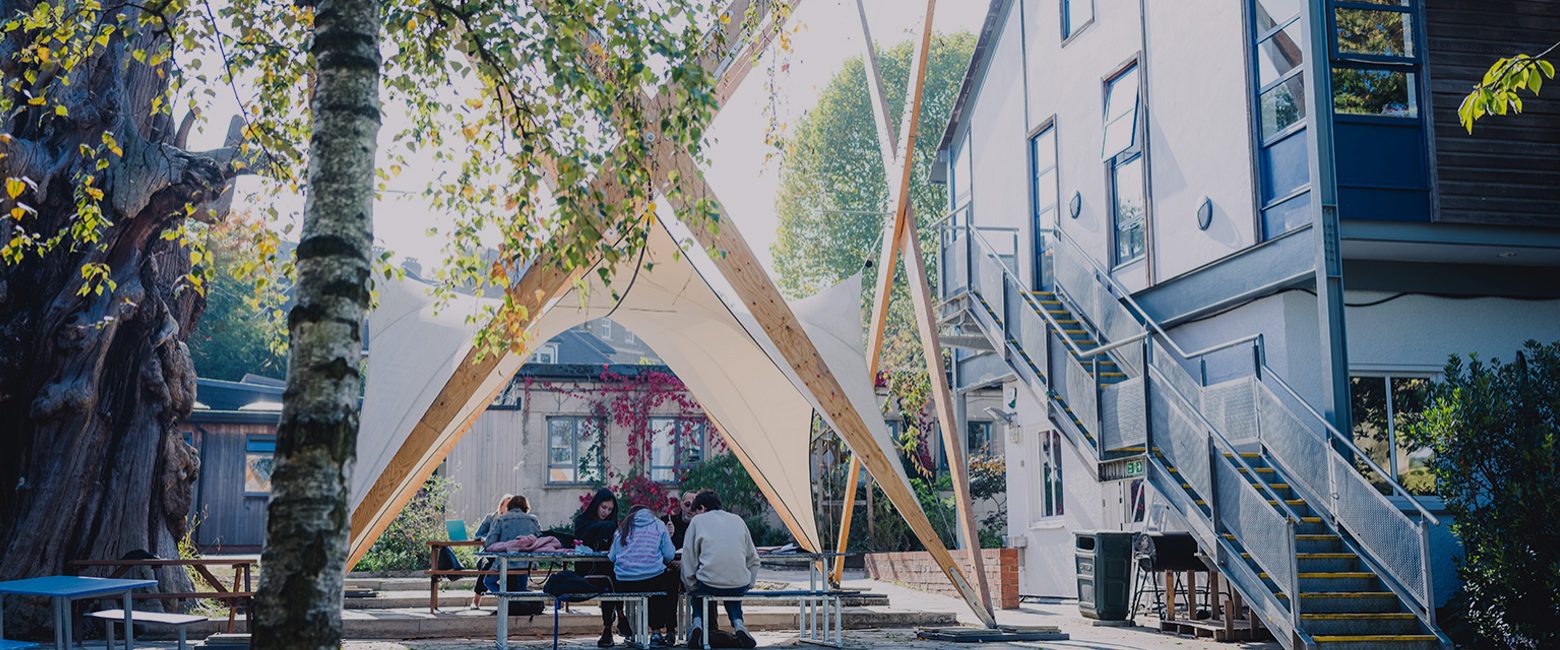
608,594
8,644
780,594
72,586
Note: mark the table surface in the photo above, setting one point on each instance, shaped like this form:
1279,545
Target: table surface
71,586
546,556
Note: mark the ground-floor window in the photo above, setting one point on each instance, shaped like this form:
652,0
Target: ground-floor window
1381,406
676,445
259,459
1050,474
574,450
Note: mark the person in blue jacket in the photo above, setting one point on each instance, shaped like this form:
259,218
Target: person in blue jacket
640,552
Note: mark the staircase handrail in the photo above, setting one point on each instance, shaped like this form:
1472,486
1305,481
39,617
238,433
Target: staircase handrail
1332,431
1229,447
1334,434
988,249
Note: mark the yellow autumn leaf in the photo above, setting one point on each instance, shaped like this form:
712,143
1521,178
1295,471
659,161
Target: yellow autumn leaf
14,187
18,213
474,102
44,55
36,101
95,193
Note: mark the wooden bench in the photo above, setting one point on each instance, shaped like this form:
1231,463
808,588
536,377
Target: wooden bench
819,612
177,621
636,604
240,594
436,574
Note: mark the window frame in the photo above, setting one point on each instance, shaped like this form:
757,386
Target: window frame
574,465
1132,153
680,464
1411,64
1068,31
263,439
1387,377
970,426
1046,128
1051,494
1260,144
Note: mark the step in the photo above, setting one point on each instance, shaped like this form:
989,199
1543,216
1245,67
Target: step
1327,562
1363,581
1372,641
1329,602
1317,543
1347,623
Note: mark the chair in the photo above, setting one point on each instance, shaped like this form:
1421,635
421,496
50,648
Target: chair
457,530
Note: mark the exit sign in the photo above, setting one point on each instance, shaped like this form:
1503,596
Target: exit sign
1123,468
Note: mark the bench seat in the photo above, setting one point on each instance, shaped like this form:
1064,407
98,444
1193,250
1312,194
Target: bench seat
8,644
178,621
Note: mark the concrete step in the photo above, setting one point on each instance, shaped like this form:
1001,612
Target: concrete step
1346,623
456,601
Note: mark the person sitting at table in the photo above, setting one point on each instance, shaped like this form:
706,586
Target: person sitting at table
516,521
676,518
718,559
483,564
594,528
640,552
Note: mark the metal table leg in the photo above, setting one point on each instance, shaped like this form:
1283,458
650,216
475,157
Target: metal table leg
130,625
503,603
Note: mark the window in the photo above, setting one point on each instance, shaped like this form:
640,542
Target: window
511,397
606,329
1042,159
1124,160
1076,14
1121,113
676,445
259,460
1127,208
629,337
1051,474
1374,58
1136,502
1381,405
1279,50
978,439
574,449
546,354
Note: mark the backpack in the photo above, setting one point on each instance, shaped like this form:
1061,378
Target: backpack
568,585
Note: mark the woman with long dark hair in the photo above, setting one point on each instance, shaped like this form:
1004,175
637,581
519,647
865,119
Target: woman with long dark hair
594,528
640,552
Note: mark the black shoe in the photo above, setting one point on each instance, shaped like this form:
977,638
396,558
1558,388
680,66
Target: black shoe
624,629
696,639
606,639
745,640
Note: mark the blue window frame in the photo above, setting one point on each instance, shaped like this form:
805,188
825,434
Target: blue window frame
1123,154
1044,193
1282,152
1076,15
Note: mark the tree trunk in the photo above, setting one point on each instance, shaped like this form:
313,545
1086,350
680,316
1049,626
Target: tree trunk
303,568
92,383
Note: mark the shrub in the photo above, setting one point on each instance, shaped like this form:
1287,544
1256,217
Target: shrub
725,474
404,545
1494,429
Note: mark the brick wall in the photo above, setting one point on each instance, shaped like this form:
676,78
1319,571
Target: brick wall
916,570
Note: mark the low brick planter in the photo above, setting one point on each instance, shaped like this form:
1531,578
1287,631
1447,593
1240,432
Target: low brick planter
916,570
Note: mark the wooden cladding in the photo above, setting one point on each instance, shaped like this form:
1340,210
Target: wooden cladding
1507,171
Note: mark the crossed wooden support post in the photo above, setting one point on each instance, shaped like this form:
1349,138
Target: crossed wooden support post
678,175
900,238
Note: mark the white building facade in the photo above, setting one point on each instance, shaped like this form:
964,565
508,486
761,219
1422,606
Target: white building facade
1197,240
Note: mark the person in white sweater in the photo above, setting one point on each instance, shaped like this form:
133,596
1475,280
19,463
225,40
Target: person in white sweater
718,559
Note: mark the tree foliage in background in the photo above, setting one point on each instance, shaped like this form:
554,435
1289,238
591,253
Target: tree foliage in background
404,545
724,474
241,329
1494,429
1498,92
832,190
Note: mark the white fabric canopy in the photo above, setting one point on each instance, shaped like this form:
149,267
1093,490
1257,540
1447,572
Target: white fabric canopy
755,400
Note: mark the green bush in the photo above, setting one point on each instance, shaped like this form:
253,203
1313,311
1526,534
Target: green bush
404,545
1494,429
724,474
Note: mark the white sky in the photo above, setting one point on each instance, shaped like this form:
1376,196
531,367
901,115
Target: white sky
828,33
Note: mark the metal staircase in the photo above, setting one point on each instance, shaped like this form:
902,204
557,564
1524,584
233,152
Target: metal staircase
1268,487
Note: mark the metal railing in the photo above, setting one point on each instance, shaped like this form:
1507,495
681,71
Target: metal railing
1301,439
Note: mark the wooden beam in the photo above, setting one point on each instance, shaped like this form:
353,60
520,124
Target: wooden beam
729,56
902,236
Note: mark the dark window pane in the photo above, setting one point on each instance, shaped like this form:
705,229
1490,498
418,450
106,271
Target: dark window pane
1271,13
1372,31
1283,105
1278,54
1374,92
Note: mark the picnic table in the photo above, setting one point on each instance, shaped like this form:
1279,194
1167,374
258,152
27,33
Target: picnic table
64,591
820,608
231,596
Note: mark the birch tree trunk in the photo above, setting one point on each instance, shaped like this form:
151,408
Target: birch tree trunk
302,570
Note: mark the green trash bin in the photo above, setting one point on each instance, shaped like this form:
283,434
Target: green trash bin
1104,564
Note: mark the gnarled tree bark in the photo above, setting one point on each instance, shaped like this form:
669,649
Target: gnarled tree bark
92,384
302,570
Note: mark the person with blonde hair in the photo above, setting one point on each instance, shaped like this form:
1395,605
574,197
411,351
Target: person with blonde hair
482,531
